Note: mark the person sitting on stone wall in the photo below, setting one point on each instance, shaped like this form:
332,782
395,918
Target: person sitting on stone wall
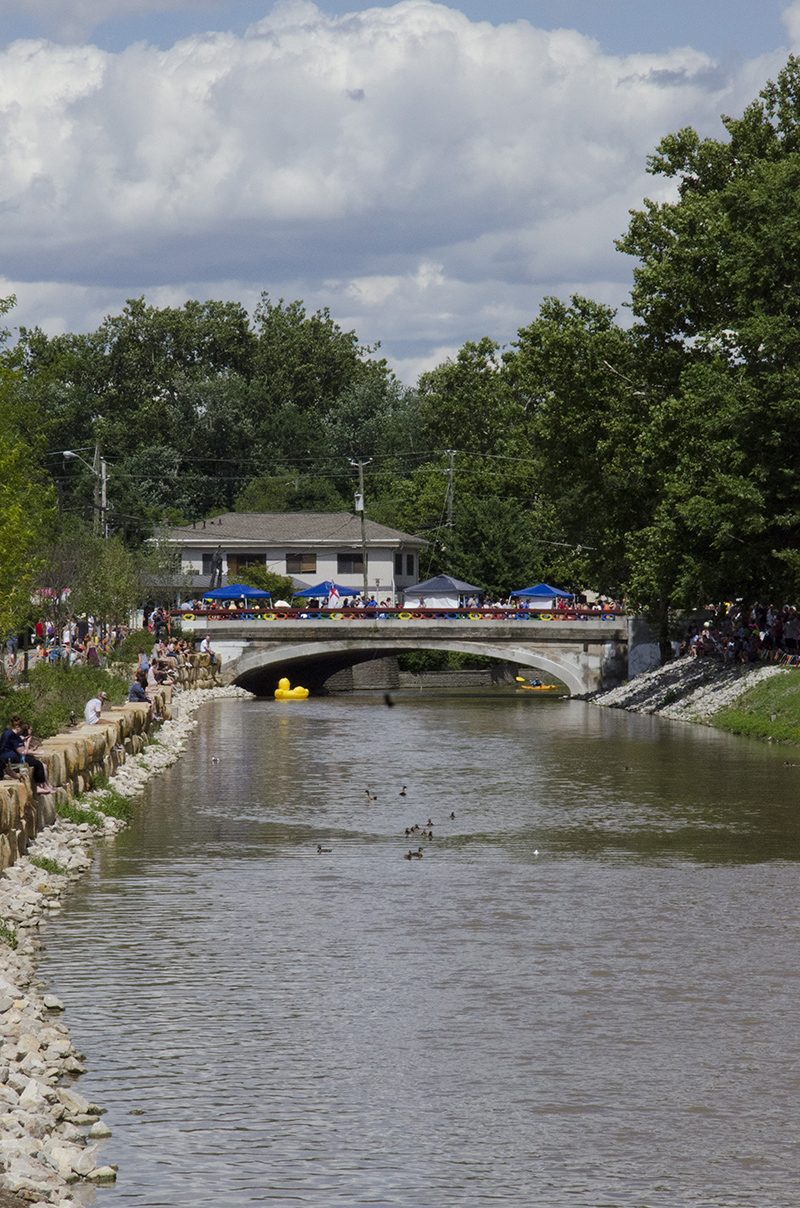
205,648
136,689
94,707
14,749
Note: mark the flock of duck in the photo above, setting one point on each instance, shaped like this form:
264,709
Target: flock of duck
424,832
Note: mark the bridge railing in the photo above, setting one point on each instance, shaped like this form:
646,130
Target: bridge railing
389,614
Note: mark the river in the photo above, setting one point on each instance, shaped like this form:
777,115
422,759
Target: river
585,993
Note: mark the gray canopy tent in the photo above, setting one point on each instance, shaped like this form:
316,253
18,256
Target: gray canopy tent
443,591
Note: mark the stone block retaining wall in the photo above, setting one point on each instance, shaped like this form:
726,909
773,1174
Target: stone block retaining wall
74,757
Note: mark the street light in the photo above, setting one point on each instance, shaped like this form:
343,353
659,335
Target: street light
101,477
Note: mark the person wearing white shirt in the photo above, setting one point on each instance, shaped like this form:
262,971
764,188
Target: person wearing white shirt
94,707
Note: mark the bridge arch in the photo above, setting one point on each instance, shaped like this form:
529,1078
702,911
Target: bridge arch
253,663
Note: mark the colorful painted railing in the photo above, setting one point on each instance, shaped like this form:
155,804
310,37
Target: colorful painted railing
387,614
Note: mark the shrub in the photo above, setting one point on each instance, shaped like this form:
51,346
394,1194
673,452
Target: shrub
55,692
48,865
128,649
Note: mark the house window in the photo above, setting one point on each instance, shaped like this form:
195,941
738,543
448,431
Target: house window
240,562
398,564
410,565
349,564
207,563
301,564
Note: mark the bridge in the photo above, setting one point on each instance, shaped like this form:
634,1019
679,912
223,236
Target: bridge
585,651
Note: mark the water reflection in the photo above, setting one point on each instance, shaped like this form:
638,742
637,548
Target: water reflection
610,1020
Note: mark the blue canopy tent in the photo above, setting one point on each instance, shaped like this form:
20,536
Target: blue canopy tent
323,590
237,591
543,591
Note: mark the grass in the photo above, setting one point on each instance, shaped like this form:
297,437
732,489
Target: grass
115,805
112,804
74,812
8,935
771,709
48,865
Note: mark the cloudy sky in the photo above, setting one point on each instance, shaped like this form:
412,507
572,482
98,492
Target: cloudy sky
429,171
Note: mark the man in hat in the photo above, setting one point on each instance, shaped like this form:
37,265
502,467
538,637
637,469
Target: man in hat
94,707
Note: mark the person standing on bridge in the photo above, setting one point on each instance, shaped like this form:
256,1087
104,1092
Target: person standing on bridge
216,568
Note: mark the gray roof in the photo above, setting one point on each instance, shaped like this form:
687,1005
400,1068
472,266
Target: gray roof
443,585
288,529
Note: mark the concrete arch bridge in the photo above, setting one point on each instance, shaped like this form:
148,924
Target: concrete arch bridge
584,654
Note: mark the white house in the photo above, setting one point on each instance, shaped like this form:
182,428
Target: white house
307,546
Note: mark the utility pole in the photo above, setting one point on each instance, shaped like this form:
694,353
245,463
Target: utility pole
104,496
100,470
98,491
450,483
360,508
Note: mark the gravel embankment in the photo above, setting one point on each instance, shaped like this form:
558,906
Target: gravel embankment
49,1133
686,689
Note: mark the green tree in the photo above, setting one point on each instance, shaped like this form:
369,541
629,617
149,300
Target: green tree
716,296
290,493
465,404
306,361
378,419
572,373
280,587
26,494
81,573
109,585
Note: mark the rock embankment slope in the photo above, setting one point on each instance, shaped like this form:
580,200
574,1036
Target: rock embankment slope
49,1133
687,689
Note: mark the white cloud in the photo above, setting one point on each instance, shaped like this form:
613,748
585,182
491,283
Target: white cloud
411,167
72,21
791,19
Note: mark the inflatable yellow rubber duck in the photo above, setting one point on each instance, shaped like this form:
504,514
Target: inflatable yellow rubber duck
285,692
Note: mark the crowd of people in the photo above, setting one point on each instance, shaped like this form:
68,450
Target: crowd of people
82,641
156,671
763,633
355,602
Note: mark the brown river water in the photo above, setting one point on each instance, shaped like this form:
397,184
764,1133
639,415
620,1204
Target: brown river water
585,993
